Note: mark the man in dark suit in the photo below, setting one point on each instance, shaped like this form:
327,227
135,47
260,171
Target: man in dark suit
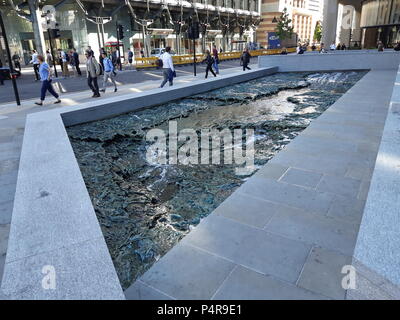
75,57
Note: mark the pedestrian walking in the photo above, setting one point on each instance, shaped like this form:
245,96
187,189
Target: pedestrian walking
108,68
45,78
245,59
216,59
130,57
60,62
17,61
71,62
119,60
64,63
168,67
35,63
92,72
49,58
209,60
102,50
300,49
90,50
380,46
116,60
75,59
313,47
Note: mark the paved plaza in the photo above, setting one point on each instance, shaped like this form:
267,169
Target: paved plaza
286,233
12,124
289,230
29,88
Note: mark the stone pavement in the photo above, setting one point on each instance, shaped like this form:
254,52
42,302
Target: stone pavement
12,123
29,88
287,232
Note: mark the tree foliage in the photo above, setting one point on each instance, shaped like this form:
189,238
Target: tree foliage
284,29
318,32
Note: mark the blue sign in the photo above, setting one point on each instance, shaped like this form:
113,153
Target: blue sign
273,40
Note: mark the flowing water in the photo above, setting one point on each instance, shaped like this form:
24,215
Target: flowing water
143,209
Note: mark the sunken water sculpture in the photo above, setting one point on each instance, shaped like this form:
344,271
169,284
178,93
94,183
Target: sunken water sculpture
144,209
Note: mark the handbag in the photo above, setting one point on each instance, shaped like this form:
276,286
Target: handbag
171,75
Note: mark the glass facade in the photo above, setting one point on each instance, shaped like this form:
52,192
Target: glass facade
380,21
395,14
78,32
380,13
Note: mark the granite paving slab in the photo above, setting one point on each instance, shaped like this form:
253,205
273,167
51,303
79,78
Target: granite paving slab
198,274
314,194
250,247
322,273
245,284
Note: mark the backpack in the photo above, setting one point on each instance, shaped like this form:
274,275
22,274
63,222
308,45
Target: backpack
97,67
67,57
159,63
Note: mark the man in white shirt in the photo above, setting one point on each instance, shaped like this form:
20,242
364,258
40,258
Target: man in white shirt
35,63
333,46
168,67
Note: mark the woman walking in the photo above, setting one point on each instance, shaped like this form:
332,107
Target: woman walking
216,59
209,60
45,78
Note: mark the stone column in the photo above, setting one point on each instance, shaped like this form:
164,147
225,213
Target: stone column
37,26
329,22
357,25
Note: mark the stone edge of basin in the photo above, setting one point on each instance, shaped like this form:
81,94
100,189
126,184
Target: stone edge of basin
336,61
56,249
377,253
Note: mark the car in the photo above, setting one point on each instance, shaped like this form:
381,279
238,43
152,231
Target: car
157,52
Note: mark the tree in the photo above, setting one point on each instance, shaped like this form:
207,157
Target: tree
318,32
283,29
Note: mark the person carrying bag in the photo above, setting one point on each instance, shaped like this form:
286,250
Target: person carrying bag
93,70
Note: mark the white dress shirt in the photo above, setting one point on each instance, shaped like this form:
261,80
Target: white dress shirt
34,59
63,56
167,61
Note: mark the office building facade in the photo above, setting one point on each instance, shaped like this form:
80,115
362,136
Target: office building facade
147,24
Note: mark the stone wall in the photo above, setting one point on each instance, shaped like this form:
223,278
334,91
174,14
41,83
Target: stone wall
377,254
333,61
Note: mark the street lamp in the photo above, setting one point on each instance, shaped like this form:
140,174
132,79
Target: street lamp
49,30
12,73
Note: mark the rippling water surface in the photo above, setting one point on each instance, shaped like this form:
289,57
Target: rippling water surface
144,210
